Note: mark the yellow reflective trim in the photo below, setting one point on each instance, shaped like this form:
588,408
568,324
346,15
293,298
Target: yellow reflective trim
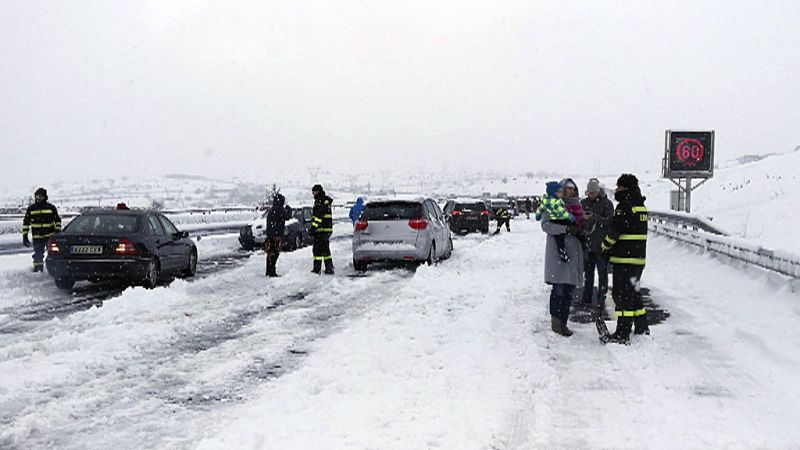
640,312
625,313
609,240
632,261
633,237
329,230
639,209
328,216
42,225
42,211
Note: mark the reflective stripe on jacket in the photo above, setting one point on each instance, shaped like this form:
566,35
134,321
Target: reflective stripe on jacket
627,234
322,218
42,220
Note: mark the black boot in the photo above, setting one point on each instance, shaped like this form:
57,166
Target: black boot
329,266
622,335
640,325
317,266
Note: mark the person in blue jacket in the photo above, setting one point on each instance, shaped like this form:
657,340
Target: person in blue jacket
355,211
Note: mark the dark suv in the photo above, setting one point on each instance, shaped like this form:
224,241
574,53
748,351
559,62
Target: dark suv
467,215
296,234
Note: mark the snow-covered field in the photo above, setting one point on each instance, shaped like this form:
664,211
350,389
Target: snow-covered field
455,356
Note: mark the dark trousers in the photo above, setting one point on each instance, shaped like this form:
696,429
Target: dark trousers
500,223
273,248
322,252
594,259
38,253
628,299
560,299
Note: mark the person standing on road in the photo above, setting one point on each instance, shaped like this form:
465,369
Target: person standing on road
597,210
276,225
562,275
321,228
528,206
503,217
43,221
626,244
355,211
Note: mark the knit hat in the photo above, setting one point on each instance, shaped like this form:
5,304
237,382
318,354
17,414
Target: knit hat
42,192
317,187
593,185
551,187
279,199
628,181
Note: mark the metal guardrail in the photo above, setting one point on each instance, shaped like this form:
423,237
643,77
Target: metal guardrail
679,226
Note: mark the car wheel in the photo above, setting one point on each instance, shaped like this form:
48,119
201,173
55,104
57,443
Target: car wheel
151,276
449,248
360,265
65,283
191,269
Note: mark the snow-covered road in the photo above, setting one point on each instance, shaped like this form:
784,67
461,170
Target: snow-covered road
454,356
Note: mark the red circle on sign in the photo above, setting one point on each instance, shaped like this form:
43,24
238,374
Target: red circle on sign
690,151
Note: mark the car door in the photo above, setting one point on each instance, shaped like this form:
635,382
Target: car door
444,230
179,246
162,242
436,226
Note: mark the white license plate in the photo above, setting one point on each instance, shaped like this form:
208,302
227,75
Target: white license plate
87,249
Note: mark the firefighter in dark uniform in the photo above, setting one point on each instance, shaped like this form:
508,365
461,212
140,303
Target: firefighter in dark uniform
43,221
625,244
276,225
321,228
503,217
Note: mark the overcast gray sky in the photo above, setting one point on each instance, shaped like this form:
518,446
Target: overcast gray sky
103,88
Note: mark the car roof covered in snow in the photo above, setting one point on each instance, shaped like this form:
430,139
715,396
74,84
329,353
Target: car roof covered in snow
410,198
466,200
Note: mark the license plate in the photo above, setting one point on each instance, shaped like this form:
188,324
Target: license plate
87,249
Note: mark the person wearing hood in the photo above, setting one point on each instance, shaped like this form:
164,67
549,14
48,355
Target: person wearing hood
43,221
322,228
597,210
276,226
563,274
553,205
355,211
625,243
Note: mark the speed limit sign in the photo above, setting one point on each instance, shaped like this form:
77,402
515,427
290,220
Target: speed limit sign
689,154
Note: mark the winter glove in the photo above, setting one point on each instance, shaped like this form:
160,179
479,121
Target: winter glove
25,240
605,250
573,230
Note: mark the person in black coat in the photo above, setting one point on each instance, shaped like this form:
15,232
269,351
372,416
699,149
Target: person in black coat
322,228
276,224
43,221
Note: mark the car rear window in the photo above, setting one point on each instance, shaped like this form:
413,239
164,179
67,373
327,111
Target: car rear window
392,211
470,206
104,224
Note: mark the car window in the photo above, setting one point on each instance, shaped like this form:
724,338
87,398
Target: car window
429,212
155,226
437,210
470,207
104,224
298,214
449,206
168,226
307,212
392,211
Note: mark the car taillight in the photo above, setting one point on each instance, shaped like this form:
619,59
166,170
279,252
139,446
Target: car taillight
361,224
52,247
125,247
485,212
455,213
418,224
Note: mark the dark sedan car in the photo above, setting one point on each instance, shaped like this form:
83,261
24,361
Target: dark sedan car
296,234
467,215
137,246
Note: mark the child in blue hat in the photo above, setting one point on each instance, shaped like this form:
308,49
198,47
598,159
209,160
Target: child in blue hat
557,212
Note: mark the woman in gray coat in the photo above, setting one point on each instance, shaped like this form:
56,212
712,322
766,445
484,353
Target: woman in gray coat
562,276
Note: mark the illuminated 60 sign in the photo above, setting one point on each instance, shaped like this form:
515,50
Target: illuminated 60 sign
689,154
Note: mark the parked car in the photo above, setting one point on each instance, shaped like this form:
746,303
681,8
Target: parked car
412,229
467,215
295,235
138,246
497,203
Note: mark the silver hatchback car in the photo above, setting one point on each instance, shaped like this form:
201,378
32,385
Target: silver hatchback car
401,229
